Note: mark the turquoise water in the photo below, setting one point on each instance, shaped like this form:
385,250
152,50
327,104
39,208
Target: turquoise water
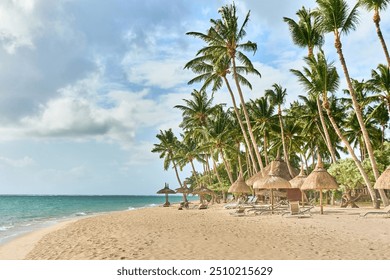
24,213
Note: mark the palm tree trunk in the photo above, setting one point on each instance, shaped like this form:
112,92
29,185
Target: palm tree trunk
248,163
177,173
377,20
284,144
327,140
241,124
239,160
248,123
359,115
352,153
229,172
265,149
219,179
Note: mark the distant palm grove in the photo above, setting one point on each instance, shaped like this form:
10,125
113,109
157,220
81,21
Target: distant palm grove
346,127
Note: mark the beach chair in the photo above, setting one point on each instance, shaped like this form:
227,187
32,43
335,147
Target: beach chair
236,204
296,211
385,211
239,212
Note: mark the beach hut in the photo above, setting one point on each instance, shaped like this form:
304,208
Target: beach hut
320,180
239,186
296,184
383,181
166,190
271,182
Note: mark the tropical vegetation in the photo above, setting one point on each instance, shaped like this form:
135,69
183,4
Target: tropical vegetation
346,127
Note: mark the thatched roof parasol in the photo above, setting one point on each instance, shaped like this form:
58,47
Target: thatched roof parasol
297,181
268,193
320,180
166,190
183,189
383,181
202,190
239,186
295,193
280,169
272,181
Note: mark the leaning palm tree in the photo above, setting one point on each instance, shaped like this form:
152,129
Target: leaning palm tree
277,96
167,148
315,78
322,78
376,6
305,32
214,73
224,41
336,17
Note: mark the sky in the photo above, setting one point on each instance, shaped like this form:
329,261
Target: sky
86,85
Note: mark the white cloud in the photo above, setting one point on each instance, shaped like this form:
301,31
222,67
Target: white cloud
165,74
19,163
19,24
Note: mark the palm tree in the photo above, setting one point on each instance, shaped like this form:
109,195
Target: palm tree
224,42
277,96
196,111
215,73
168,148
218,135
322,78
380,115
305,32
262,113
380,84
318,76
376,6
335,16
189,151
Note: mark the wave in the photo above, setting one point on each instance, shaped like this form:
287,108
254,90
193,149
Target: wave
5,228
81,214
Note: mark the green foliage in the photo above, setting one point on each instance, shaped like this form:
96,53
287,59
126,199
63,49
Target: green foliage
348,175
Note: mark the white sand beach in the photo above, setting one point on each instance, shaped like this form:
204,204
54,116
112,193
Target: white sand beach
166,233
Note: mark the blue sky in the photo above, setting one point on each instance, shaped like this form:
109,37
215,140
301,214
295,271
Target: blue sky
86,85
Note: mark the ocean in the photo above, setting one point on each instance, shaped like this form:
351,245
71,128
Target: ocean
20,214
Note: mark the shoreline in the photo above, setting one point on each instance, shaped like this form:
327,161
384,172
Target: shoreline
159,233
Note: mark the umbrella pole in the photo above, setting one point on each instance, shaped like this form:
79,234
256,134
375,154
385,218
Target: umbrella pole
321,207
166,199
272,201
303,198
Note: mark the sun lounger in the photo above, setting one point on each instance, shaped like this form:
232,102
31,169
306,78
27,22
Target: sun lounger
236,204
202,206
385,211
239,212
296,211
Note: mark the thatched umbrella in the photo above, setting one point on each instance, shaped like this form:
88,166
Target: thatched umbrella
320,180
280,169
271,182
239,186
297,182
184,190
166,190
202,190
383,181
